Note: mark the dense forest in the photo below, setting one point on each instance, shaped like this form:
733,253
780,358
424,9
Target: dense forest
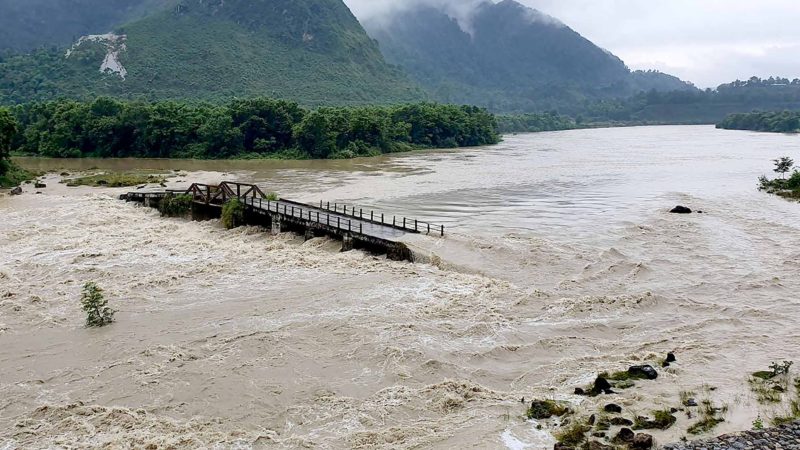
534,123
702,107
314,52
249,128
776,122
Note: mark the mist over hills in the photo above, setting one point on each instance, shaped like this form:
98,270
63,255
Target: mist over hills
506,56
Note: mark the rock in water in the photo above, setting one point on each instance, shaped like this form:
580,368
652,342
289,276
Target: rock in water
16,191
645,372
642,441
40,185
671,358
624,436
681,210
613,408
601,385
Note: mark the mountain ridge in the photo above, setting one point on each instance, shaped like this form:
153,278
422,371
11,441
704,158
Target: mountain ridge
508,57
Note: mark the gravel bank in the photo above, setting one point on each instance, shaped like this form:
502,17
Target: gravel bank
786,437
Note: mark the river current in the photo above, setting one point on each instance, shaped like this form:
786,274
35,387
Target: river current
561,261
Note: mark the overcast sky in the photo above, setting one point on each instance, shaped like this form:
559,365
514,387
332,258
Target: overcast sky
707,42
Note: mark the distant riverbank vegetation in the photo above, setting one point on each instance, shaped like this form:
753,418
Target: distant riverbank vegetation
534,123
775,122
246,128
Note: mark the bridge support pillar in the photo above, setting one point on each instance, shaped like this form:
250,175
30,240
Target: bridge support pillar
347,242
309,234
147,202
276,224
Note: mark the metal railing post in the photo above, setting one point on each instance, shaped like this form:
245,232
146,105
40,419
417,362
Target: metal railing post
416,227
442,230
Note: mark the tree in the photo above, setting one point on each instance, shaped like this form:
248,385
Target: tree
783,165
98,314
8,129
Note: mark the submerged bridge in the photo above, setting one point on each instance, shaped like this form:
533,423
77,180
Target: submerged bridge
355,227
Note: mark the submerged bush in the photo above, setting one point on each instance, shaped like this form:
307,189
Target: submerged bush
273,197
176,205
233,214
98,314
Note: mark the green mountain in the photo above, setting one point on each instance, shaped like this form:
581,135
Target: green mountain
507,57
311,51
30,24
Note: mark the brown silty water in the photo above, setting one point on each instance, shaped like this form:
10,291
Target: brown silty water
560,262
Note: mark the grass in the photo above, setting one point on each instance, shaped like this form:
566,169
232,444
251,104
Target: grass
14,175
663,419
114,180
685,396
545,409
573,435
710,417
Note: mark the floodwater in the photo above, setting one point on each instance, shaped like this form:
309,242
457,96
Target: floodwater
561,262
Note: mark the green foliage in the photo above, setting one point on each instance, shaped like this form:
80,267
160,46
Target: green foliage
95,305
545,409
115,180
758,424
776,122
176,205
573,435
8,130
534,123
310,51
14,175
272,196
257,127
233,214
663,419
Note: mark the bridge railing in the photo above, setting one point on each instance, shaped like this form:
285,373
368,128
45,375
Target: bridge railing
402,223
309,214
221,193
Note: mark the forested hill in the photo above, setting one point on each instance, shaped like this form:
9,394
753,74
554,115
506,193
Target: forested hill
29,24
311,51
509,58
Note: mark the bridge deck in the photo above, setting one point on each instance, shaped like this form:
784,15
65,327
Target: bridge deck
338,220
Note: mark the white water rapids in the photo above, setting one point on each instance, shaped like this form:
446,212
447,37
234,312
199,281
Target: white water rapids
561,262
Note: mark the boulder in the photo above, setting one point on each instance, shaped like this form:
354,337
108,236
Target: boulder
580,391
642,441
671,357
681,210
620,421
612,408
595,445
40,185
625,436
16,191
646,372
601,385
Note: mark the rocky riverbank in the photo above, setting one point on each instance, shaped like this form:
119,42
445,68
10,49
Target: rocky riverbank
785,437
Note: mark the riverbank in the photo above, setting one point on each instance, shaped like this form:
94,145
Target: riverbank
785,437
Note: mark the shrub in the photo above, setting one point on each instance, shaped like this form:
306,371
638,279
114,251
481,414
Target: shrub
176,205
273,197
98,314
233,214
